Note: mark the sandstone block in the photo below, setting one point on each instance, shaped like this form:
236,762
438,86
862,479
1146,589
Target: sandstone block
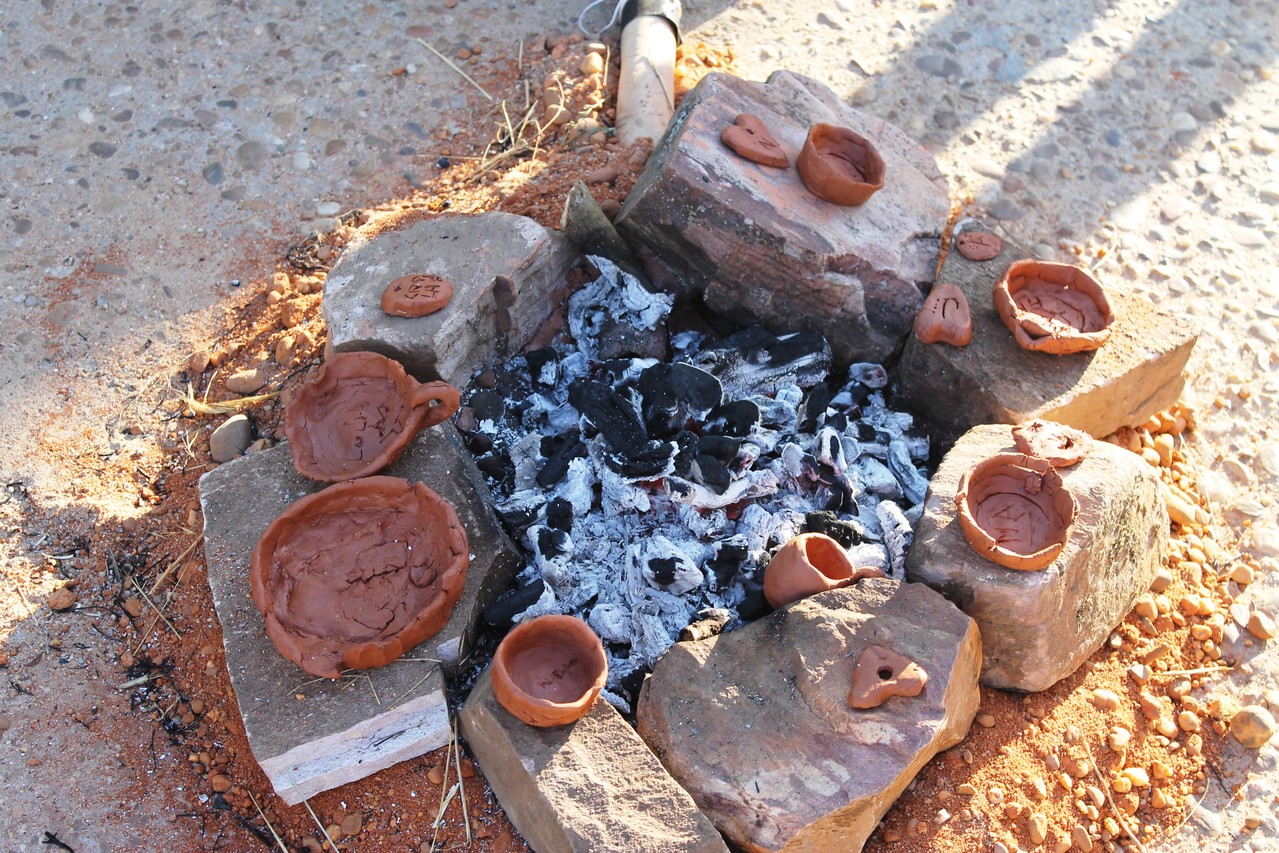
591,785
1037,627
507,272
756,723
992,380
760,248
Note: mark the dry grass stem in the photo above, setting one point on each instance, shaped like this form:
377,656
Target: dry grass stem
325,832
142,592
1119,816
450,64
279,841
181,558
456,746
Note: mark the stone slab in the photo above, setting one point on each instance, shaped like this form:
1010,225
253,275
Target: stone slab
992,380
347,729
1038,627
756,723
758,247
508,275
592,785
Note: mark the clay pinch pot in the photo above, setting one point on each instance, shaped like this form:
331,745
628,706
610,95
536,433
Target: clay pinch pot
1061,445
359,415
1053,308
808,564
749,138
549,671
840,166
881,674
1015,510
354,576
945,316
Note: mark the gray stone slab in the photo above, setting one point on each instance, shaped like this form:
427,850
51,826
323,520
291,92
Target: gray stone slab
508,276
347,729
1038,627
588,786
992,380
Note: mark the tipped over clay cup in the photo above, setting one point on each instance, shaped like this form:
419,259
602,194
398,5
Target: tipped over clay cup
359,415
1053,308
354,576
1015,511
840,166
549,671
808,564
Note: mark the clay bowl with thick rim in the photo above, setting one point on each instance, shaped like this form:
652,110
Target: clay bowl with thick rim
808,564
549,671
1016,511
1053,308
359,415
354,576
840,166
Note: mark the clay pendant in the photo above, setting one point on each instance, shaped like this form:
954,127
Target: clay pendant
881,674
1053,308
945,317
416,295
549,671
1059,444
808,564
979,245
750,138
840,166
1016,511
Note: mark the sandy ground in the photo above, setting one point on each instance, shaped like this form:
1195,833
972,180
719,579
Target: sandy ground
155,166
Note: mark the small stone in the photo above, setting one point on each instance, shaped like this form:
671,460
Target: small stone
62,598
1122,784
995,795
198,362
592,63
246,382
1139,673
1145,606
1243,574
1188,721
1159,770
1105,700
1163,580
133,607
328,208
1080,839
1040,788
1038,828
1261,625
436,774
220,782
1263,142
603,175
352,824
986,721
1137,776
1119,738
1252,726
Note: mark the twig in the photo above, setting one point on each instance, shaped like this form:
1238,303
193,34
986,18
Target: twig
173,565
274,834
307,803
147,599
457,761
137,682
411,689
146,636
450,64
1203,671
374,689
1119,816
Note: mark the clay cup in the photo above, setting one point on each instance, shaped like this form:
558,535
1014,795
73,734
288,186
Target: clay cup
1053,308
808,564
549,671
840,166
1015,511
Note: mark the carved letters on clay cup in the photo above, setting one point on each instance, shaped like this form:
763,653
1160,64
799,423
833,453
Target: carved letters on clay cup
1015,510
1061,445
881,674
359,415
1053,308
946,317
549,671
354,576
749,138
840,166
808,564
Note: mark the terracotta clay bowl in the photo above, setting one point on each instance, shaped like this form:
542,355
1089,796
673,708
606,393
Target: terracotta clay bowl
808,564
549,671
840,166
1053,308
354,576
1015,511
359,415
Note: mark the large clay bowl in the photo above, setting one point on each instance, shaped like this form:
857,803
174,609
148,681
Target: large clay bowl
808,564
840,166
359,415
1015,510
1053,308
354,576
549,671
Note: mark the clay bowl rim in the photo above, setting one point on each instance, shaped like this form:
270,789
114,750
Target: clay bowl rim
562,712
983,543
427,623
428,404
1068,276
853,193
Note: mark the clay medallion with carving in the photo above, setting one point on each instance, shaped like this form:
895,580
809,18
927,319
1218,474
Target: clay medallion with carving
749,137
354,576
1053,308
359,415
881,674
808,564
978,245
416,295
1061,445
1015,510
549,670
840,166
945,316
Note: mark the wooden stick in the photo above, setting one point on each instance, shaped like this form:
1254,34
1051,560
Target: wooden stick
450,64
173,565
1119,816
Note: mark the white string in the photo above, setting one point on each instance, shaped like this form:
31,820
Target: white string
617,16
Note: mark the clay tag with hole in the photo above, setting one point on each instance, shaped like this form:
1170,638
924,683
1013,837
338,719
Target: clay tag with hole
881,674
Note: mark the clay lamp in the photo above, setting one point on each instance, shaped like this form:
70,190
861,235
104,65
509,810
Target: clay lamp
749,138
808,564
840,166
1061,445
1053,308
1015,511
354,576
881,674
946,317
549,671
359,415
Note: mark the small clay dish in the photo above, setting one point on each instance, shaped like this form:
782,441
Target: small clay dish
354,576
1015,511
549,671
1053,308
840,166
359,415
808,564
416,295
749,138
1061,445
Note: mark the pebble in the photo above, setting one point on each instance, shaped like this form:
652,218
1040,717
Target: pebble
62,598
1263,142
220,782
1038,828
230,439
1139,673
1261,625
1080,838
1252,726
1005,210
1105,700
328,208
986,721
603,175
246,381
352,824
592,63
1163,580
1119,738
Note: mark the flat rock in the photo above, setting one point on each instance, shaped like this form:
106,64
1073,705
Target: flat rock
507,274
347,729
1037,627
756,723
1136,373
591,785
760,248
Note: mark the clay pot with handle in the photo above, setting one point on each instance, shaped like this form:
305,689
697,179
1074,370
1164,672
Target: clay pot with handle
549,670
808,564
1053,308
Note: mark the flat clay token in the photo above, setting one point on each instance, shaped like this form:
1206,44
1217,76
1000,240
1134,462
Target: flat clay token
750,138
945,316
416,295
979,245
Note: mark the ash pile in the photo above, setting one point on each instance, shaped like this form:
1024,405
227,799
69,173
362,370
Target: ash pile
650,494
